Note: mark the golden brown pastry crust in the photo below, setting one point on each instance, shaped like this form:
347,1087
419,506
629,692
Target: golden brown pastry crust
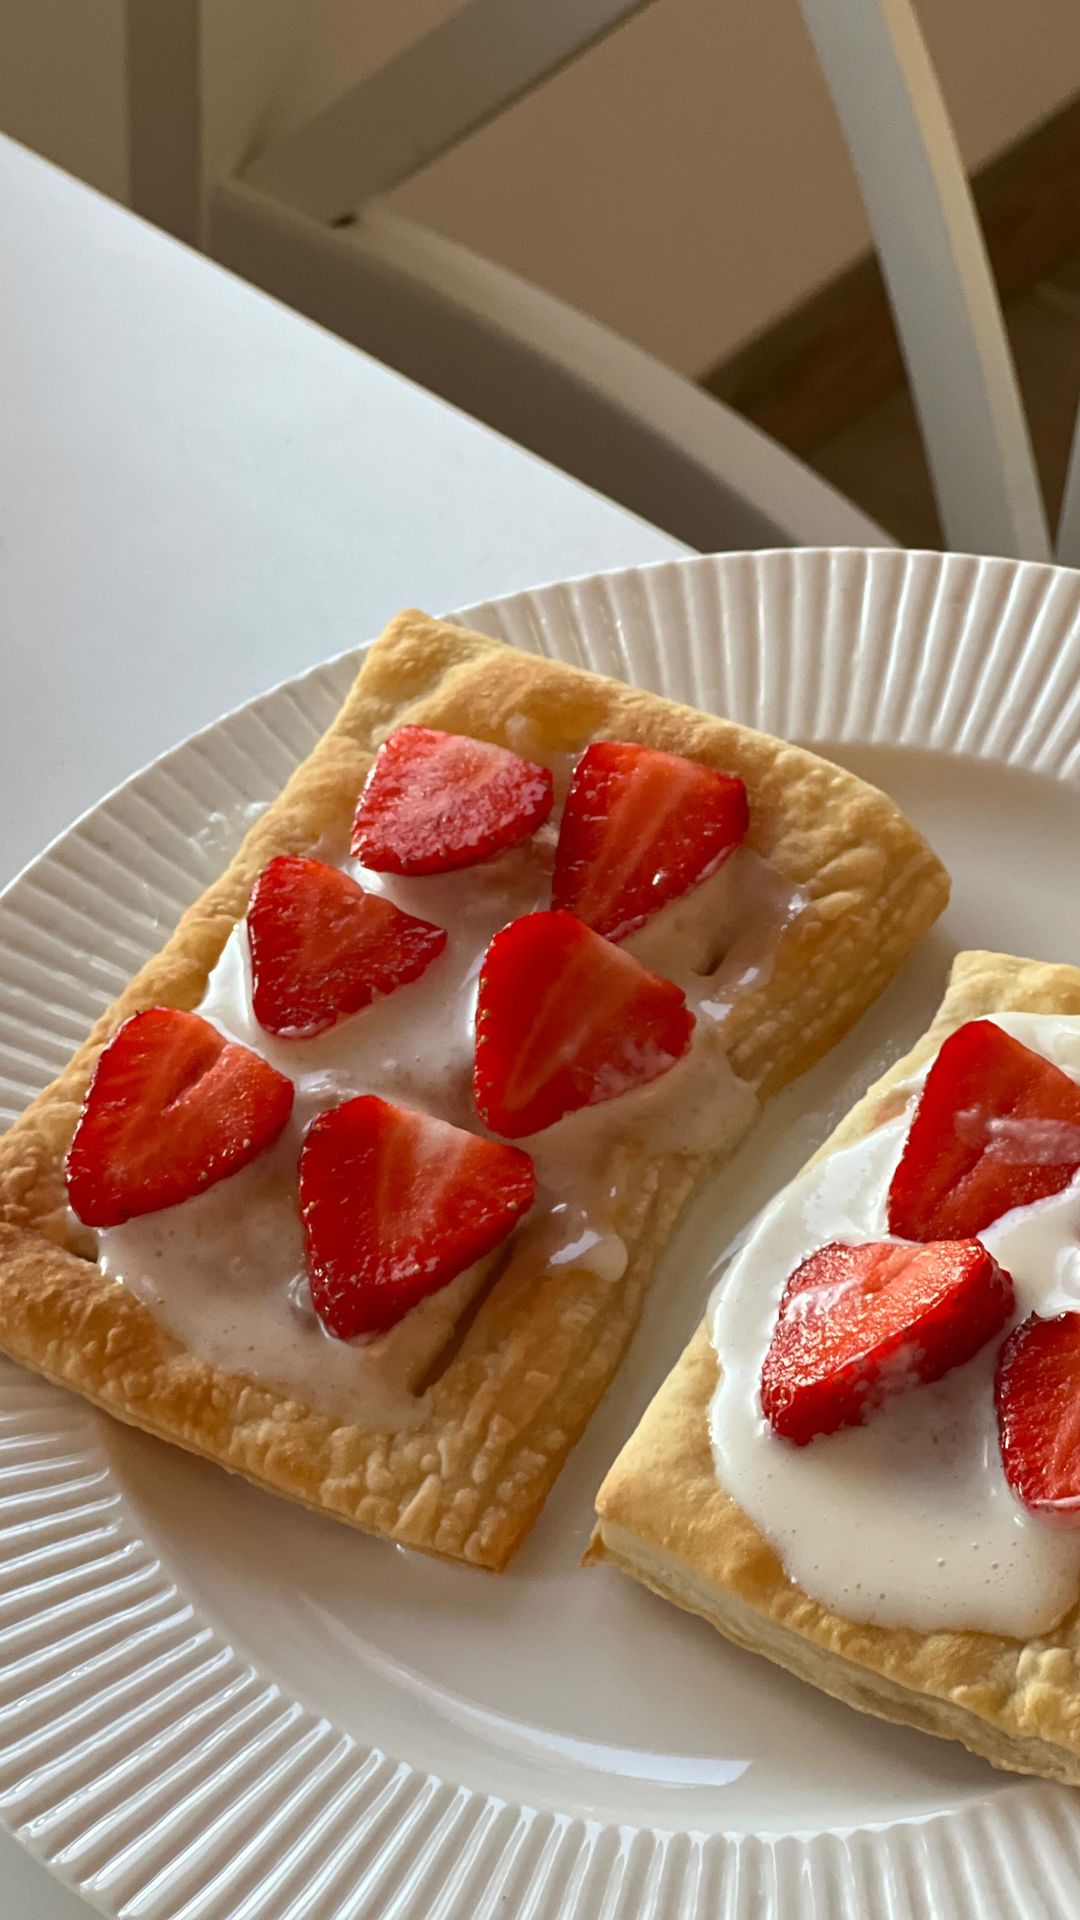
664,1518
469,1481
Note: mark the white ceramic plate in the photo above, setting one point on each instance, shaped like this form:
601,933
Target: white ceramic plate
214,1706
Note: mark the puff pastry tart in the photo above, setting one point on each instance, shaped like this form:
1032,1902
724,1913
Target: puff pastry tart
866,1465
357,1188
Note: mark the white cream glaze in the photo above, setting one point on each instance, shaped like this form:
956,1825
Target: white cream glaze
907,1521
225,1272
715,940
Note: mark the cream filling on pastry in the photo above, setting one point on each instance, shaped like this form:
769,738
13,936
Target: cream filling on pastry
907,1521
225,1271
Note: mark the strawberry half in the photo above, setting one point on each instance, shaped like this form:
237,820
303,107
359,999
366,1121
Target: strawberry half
322,947
173,1108
1037,1394
564,1019
435,801
996,1127
394,1204
857,1324
640,828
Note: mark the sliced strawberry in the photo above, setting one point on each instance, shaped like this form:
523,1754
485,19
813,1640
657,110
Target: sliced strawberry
564,1019
322,947
173,1108
1037,1393
394,1204
996,1127
857,1324
435,801
640,828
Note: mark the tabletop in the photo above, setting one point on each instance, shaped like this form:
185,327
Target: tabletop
201,494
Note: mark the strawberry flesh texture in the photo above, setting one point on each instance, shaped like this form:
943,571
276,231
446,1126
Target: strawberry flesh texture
564,1020
857,1324
996,1127
1037,1395
436,801
173,1108
395,1204
322,948
639,829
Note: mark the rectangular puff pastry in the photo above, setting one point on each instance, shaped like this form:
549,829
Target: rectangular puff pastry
468,1482
664,1518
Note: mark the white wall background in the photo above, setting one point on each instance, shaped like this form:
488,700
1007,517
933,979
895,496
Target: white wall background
684,181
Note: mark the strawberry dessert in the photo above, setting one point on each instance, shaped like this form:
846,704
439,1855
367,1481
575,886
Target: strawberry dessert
394,1204
322,947
858,1323
565,1020
219,1104
899,1402
418,1047
639,829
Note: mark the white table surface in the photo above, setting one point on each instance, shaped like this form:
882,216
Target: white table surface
200,494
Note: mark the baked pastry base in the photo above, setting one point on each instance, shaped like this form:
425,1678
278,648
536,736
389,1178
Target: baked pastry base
469,1480
664,1518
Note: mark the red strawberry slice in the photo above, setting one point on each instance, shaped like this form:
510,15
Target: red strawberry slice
996,1127
640,828
322,947
394,1204
173,1108
564,1019
857,1324
435,801
1037,1394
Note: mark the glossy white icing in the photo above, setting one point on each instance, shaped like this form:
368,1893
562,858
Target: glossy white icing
908,1520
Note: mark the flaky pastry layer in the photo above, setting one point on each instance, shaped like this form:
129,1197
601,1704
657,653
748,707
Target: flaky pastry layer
664,1518
468,1481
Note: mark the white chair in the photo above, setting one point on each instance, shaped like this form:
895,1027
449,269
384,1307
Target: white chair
302,219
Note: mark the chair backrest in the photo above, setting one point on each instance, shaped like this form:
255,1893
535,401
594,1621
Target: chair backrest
537,370
523,362
489,53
